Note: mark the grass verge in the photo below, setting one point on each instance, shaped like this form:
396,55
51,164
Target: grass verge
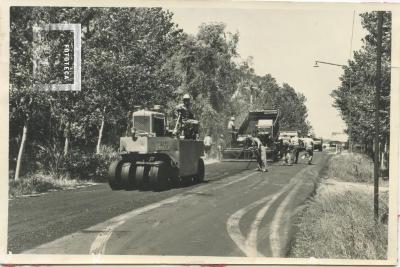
338,223
351,167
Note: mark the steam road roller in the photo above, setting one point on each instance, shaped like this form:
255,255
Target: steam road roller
152,157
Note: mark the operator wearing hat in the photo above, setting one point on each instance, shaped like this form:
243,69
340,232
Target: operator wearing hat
185,118
185,108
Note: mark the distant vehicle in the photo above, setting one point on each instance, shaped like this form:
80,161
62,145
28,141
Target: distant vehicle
333,143
265,124
318,144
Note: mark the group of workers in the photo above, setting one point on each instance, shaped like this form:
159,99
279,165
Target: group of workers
187,127
291,149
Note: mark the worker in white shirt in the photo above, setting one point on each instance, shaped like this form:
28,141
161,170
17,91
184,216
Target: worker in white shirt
259,151
286,155
232,130
309,145
207,145
295,141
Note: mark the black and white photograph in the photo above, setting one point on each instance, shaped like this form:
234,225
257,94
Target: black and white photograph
214,132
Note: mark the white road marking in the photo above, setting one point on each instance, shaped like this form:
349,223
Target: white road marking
232,225
99,244
275,238
251,242
277,222
249,245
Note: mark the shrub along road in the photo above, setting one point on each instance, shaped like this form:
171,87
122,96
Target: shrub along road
251,213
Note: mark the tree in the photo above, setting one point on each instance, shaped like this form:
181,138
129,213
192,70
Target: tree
25,102
130,57
356,105
125,59
293,110
205,68
263,92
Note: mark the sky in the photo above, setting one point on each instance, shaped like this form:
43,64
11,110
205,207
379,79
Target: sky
285,43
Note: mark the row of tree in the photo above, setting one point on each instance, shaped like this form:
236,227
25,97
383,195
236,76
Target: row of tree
130,57
354,98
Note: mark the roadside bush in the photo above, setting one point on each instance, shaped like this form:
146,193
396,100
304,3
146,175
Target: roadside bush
107,155
59,172
77,163
50,160
38,183
81,165
92,166
351,167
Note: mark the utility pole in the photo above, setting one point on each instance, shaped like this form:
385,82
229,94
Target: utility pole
377,122
350,125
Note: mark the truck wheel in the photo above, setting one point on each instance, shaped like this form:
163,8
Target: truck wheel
199,177
114,175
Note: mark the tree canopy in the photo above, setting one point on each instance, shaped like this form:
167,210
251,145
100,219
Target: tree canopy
131,57
354,98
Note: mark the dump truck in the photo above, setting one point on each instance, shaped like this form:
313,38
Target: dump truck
264,124
151,156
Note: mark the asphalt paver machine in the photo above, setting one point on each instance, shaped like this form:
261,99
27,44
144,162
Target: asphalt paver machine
264,124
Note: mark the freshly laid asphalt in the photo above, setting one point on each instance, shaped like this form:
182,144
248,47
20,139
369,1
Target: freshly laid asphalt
235,212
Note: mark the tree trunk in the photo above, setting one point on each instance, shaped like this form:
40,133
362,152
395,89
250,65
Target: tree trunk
66,145
21,151
100,136
66,142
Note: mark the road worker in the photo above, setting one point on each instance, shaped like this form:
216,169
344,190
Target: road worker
221,146
186,125
295,142
339,148
207,145
309,146
232,130
259,151
286,146
184,108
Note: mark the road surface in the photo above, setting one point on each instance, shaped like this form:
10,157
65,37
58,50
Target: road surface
237,212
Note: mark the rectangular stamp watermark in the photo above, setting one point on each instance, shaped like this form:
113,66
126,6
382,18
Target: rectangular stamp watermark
57,57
